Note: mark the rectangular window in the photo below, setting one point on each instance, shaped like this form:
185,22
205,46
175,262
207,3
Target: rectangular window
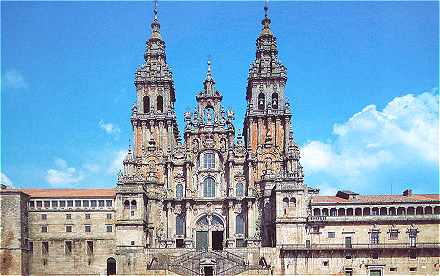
68,248
325,263
89,249
54,203
109,216
375,272
43,228
348,242
374,237
46,204
393,269
87,228
240,242
331,235
412,237
108,203
394,234
45,248
68,228
77,203
62,203
93,203
39,204
70,203
180,243
109,228
413,269
412,254
31,247
31,204
44,216
101,203
85,203
209,160
68,216
87,216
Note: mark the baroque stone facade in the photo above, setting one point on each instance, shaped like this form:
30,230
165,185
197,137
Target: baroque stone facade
218,202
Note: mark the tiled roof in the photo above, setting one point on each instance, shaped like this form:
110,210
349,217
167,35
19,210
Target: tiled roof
376,199
67,193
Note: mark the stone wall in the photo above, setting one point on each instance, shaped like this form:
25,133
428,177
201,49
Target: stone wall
14,233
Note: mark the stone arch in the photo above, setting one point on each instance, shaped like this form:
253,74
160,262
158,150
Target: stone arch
358,211
324,211
392,211
261,101
159,103
111,266
349,211
275,100
410,211
341,212
366,211
401,211
419,210
428,210
316,212
146,104
383,211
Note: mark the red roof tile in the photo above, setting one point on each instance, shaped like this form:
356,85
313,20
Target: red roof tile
68,193
377,199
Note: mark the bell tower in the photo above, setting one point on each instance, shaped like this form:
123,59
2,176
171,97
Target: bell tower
268,113
153,116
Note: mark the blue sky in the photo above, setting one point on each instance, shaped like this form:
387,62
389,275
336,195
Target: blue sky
363,83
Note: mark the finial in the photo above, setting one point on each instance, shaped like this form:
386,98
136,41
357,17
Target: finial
266,7
155,9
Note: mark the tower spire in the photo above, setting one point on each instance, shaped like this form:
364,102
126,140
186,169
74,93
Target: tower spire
155,9
155,25
266,7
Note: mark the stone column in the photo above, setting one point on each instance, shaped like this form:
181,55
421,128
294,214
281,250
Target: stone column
230,227
251,220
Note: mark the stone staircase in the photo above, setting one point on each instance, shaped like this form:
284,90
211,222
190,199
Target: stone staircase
222,262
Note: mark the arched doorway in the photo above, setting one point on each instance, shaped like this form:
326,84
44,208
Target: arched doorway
209,233
111,266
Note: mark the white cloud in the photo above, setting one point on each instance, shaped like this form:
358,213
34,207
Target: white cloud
110,128
15,80
4,179
63,174
116,163
405,132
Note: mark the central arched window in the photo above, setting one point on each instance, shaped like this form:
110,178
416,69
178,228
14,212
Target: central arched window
209,160
146,106
160,103
180,224
239,192
179,191
239,224
209,187
261,101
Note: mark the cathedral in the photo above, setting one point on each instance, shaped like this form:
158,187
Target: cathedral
218,202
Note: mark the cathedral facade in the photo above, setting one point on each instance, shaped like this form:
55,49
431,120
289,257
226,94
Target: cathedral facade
218,202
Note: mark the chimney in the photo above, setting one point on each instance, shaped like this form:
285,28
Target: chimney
407,192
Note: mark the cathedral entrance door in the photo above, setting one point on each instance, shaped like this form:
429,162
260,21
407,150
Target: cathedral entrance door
217,240
202,240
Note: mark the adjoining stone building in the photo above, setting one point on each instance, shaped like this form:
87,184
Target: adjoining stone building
217,203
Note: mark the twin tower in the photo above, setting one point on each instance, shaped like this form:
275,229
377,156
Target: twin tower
214,189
